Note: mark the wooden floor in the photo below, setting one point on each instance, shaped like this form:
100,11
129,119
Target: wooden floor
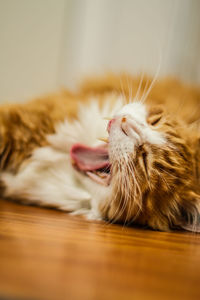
46,254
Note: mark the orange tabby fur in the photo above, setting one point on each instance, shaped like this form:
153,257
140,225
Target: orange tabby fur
168,186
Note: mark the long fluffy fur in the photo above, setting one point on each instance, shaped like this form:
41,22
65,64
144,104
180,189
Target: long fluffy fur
36,138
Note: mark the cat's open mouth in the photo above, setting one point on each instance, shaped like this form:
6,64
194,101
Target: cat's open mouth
92,161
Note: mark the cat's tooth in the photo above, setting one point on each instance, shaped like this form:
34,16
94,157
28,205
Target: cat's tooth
107,118
102,175
97,178
105,140
73,162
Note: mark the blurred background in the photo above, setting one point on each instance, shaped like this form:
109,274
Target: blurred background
49,44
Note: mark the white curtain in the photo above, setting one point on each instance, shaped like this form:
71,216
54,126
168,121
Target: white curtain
46,44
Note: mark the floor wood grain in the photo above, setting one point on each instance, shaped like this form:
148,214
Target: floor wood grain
46,254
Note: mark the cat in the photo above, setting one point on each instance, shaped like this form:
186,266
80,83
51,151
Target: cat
120,149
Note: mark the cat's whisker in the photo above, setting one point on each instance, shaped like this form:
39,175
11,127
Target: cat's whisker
135,173
114,217
127,202
126,195
103,139
139,87
122,178
153,81
144,91
125,190
129,90
122,91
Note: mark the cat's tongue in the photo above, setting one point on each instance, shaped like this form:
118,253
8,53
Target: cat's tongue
89,158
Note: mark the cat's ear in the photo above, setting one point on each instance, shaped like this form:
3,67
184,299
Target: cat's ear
190,212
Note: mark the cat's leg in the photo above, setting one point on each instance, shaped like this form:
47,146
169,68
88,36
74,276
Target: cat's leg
47,179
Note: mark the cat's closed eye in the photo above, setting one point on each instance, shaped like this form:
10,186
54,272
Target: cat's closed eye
155,116
155,120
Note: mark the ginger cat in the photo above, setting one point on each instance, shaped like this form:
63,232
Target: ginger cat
145,170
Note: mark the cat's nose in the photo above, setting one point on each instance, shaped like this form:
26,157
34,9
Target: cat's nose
132,128
119,120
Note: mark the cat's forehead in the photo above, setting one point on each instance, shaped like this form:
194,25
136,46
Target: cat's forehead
136,109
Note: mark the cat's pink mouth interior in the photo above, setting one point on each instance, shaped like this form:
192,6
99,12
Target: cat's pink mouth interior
92,161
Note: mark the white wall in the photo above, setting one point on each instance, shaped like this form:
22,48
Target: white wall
132,35
46,44
30,45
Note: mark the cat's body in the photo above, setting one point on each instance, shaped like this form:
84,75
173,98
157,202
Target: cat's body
148,173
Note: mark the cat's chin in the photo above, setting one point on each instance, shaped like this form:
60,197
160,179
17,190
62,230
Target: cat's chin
92,162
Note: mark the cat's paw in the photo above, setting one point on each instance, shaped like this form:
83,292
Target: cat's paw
89,214
93,215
